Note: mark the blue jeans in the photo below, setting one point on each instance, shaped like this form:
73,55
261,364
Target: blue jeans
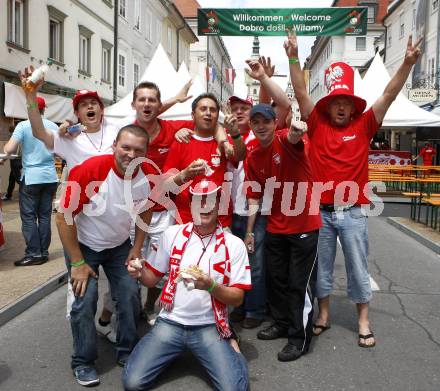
352,229
254,305
226,368
35,203
124,290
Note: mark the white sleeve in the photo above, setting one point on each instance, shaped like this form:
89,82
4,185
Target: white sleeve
161,258
240,268
59,145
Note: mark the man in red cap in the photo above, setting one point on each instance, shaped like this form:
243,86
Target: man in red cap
96,137
37,187
208,271
340,133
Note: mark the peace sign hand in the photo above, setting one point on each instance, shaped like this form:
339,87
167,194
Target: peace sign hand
291,45
413,52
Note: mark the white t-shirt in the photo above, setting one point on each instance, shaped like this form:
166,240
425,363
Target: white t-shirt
103,203
193,308
85,145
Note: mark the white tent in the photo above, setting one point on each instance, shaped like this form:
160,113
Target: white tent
160,71
183,110
402,112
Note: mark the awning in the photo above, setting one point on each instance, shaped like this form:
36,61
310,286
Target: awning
58,108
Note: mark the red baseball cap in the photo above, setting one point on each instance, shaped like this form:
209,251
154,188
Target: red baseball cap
80,94
236,98
41,103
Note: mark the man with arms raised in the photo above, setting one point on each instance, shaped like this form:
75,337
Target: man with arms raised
340,133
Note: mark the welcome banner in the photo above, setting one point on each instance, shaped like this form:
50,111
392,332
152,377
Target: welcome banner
273,22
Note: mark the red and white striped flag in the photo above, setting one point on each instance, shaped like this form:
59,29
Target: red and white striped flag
230,75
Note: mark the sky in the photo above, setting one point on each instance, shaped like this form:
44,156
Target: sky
240,48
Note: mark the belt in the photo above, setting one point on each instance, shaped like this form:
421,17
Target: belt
335,208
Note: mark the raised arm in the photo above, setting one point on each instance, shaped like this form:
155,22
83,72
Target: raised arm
182,96
393,88
38,129
256,71
296,76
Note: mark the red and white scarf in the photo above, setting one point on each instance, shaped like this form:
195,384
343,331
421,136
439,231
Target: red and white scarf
220,271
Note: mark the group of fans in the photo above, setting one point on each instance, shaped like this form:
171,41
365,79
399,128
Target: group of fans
210,217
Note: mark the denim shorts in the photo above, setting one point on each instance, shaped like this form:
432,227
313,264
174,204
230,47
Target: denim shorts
352,228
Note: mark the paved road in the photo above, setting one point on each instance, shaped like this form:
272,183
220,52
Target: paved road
35,347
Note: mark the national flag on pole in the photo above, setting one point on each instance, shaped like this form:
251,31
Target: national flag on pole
230,75
210,74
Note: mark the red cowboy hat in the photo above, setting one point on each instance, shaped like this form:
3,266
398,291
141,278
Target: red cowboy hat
339,80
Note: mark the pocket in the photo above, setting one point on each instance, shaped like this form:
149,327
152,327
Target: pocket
356,213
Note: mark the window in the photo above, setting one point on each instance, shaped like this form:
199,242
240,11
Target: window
17,19
137,14
121,69
56,33
122,8
432,71
169,40
149,26
106,61
135,74
361,44
85,36
371,14
402,25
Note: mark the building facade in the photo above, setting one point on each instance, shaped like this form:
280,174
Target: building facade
418,18
209,51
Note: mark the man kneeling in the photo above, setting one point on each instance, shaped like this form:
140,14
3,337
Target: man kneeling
208,270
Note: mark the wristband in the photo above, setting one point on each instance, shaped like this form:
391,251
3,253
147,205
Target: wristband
293,60
213,285
32,105
250,234
238,135
78,263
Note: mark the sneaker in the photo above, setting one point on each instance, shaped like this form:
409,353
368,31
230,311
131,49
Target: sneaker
290,352
30,261
106,331
122,360
272,332
6,198
86,376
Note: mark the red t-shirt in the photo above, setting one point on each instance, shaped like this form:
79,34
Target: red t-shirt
427,153
340,154
285,163
181,155
158,149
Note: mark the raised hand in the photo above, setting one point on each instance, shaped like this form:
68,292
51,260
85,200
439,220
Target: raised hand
296,131
269,69
29,89
256,70
182,95
231,124
413,52
291,44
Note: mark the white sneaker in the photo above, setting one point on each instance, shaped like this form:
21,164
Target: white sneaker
106,331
